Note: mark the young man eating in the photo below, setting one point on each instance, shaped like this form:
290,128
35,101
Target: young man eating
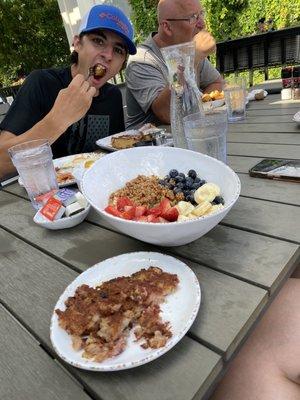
73,107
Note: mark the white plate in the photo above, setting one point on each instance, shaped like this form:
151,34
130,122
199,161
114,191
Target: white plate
180,309
213,104
105,143
68,163
296,117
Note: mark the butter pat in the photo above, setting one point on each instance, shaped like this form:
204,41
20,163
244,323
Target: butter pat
66,196
81,199
73,209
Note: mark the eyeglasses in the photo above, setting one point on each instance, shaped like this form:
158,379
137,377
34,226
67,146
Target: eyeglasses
193,19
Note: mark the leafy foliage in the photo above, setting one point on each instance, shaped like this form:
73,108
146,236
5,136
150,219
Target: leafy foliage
32,36
225,19
143,17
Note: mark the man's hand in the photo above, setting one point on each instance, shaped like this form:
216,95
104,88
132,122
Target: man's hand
72,103
205,44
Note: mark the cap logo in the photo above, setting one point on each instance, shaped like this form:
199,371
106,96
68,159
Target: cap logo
116,19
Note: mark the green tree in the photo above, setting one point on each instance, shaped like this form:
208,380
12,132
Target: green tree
225,19
32,36
144,17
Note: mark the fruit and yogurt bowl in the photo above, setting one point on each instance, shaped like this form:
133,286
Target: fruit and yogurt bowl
176,197
117,176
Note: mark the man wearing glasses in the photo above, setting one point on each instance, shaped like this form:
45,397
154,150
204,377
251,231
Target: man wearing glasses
148,93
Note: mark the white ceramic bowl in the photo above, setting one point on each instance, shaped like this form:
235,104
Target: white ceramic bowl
61,223
114,170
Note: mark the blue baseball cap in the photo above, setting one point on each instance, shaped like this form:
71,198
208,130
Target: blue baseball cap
103,16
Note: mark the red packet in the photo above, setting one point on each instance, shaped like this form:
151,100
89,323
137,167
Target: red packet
53,209
43,198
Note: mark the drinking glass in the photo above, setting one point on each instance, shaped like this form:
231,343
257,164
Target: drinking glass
235,98
207,134
33,161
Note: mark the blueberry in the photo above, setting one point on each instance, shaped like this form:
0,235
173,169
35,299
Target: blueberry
181,174
179,178
173,173
196,185
189,183
180,185
219,200
177,190
162,182
197,180
192,173
186,193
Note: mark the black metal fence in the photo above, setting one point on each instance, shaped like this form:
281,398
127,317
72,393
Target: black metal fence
9,91
270,49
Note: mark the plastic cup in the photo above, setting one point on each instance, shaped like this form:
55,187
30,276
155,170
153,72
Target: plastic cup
207,135
235,103
235,97
33,161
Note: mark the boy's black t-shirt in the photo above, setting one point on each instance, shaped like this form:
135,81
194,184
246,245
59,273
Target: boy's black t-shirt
36,98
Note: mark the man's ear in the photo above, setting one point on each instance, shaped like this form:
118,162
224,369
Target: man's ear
76,42
166,27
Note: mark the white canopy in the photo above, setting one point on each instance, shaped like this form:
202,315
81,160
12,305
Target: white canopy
72,11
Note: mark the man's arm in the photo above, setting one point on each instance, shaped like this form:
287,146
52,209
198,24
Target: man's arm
70,105
216,85
161,106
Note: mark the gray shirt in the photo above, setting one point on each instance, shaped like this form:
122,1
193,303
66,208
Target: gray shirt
147,76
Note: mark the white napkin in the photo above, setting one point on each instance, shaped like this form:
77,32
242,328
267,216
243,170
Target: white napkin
251,95
296,117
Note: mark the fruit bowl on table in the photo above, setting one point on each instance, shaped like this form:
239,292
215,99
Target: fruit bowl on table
113,171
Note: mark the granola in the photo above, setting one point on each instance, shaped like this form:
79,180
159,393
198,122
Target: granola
144,191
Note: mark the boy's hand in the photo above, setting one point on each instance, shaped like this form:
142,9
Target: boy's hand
73,102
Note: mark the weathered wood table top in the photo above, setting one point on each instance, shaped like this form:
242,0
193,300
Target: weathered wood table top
240,264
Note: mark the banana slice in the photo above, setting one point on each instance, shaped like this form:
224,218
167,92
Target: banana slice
182,218
192,216
185,207
202,209
207,192
215,208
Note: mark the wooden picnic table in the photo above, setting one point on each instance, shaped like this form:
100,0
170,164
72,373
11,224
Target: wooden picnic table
241,264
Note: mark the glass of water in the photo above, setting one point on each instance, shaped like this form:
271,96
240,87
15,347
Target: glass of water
33,161
207,134
235,98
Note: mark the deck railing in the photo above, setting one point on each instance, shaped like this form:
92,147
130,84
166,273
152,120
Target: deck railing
269,49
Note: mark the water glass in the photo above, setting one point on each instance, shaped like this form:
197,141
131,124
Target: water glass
207,134
235,98
33,161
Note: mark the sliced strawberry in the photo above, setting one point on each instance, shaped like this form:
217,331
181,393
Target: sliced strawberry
122,202
164,205
142,218
161,219
152,218
113,211
140,210
171,214
156,211
128,208
129,212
